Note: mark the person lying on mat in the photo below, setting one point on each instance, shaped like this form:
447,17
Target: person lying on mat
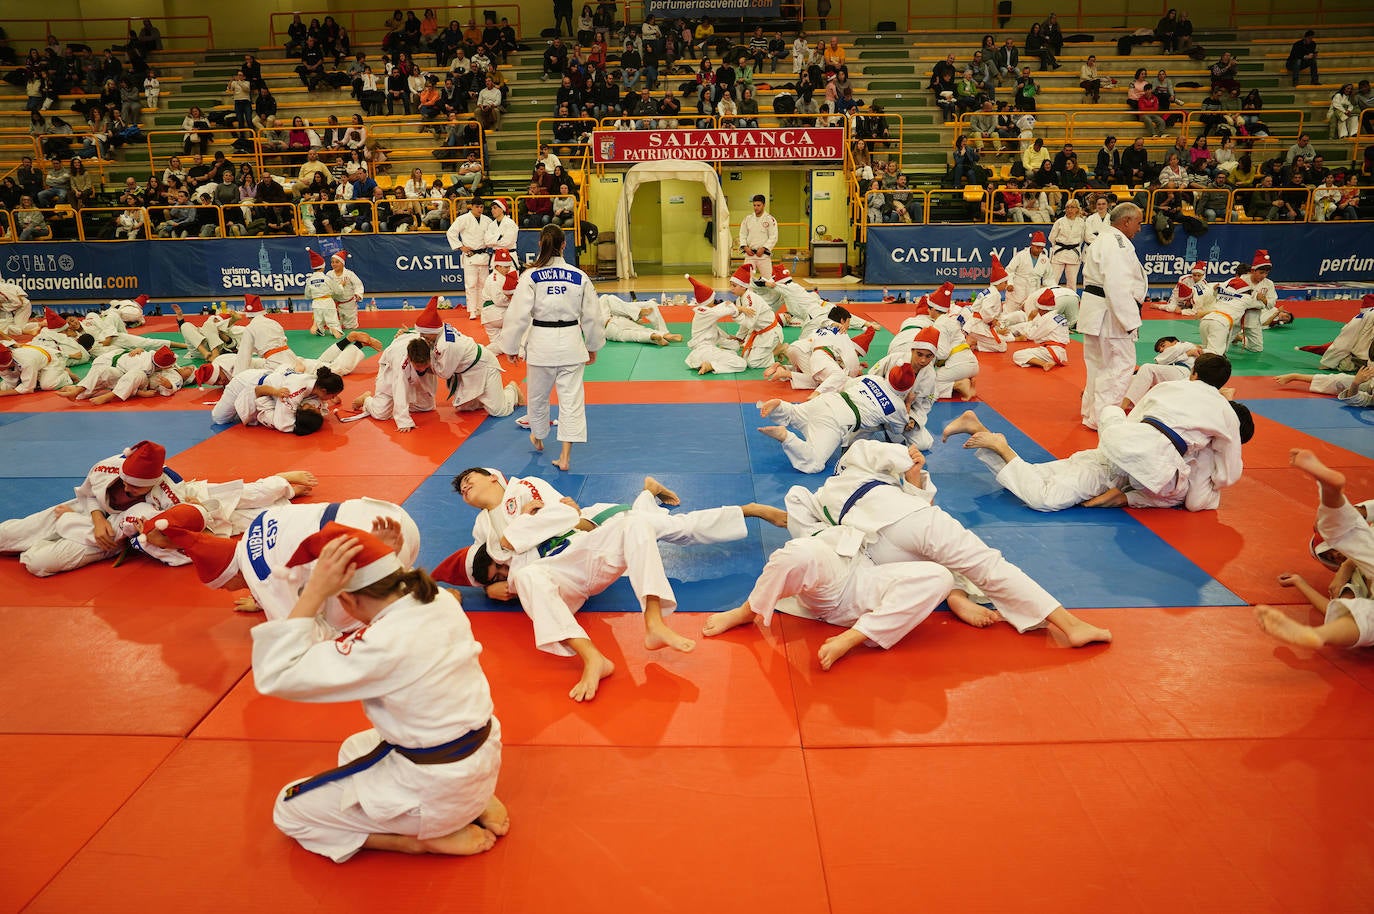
1353,389
882,491
534,545
1343,534
422,780
1180,446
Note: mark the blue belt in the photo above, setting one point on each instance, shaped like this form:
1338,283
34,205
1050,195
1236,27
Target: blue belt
853,499
452,751
1174,437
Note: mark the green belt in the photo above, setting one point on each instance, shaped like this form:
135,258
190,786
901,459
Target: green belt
607,513
858,420
474,361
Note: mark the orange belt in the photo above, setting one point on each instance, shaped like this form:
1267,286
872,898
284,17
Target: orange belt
757,333
46,354
1230,321
271,352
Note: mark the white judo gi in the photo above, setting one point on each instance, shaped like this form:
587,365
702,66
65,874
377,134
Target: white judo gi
1066,250
863,405
1029,274
1351,346
1109,318
1175,363
15,308
954,359
401,389
126,374
263,338
900,524
1336,385
37,366
324,294
49,543
761,333
1222,312
469,231
415,669
822,361
759,233
240,403
215,332
348,293
709,344
622,319
473,374
1345,530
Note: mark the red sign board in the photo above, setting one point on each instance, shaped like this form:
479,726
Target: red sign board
767,144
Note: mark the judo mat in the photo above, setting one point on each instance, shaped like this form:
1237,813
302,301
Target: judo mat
1280,354
1192,761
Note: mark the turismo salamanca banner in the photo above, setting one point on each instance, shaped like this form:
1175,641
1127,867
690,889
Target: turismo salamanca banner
962,254
779,144
228,268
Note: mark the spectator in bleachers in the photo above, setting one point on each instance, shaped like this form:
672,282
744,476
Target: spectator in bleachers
1091,81
1034,155
133,53
1348,206
469,176
967,97
431,99
447,43
31,223
488,110
1071,177
180,217
130,100
301,137
296,34
1201,152
10,193
309,168
1109,169
154,192
1007,60
82,185
1303,56
965,169
564,207
1148,105
57,185
559,176
983,125
1166,32
946,95
1173,174
1062,157
726,109
537,208
1164,91
1343,116
1303,147
110,67
240,91
775,51
397,90
834,55
152,88
453,98
1223,73
556,58
1291,203
274,138
130,223
311,70
1136,88
1026,90
149,37
748,109
544,177
1037,45
801,52
1254,123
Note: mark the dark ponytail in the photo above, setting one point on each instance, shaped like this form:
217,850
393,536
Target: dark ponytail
550,244
414,581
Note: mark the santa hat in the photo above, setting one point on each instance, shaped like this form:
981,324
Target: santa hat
376,561
54,320
206,373
316,261
142,300
901,377
457,568
1047,299
143,463
501,256
927,340
1038,238
1261,259
1367,301
865,339
252,304
498,203
512,280
429,320
213,556
1200,267
164,357
1237,283
942,297
340,255
1185,290
999,272
921,309
702,293
186,518
781,273
6,357
742,275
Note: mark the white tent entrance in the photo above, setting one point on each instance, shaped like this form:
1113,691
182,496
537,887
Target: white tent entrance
671,170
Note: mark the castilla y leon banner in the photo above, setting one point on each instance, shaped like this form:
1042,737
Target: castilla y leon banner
746,144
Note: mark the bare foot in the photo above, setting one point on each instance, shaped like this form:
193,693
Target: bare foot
661,492
1287,379
1309,463
302,482
246,605
101,399
972,613
563,463
985,439
363,339
495,818
967,424
536,443
776,432
520,398
69,393
833,648
966,388
593,671
1076,630
767,406
465,842
657,635
361,399
1279,626
719,623
705,368
775,516
673,337
176,309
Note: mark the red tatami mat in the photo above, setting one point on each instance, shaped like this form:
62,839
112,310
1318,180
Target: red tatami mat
720,694
592,829
1170,674
143,670
1131,828
59,791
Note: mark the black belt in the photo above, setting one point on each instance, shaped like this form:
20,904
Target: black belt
556,323
1174,437
452,751
1095,290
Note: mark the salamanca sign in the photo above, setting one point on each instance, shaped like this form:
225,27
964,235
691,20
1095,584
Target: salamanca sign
779,144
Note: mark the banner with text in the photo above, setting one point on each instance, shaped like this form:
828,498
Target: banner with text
720,9
962,254
211,268
780,144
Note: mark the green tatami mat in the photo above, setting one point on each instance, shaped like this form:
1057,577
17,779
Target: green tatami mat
1279,355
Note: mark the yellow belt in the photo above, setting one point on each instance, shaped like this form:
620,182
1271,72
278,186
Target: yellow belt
46,354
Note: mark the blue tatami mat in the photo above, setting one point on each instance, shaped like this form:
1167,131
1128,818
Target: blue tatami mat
24,496
70,443
1328,419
